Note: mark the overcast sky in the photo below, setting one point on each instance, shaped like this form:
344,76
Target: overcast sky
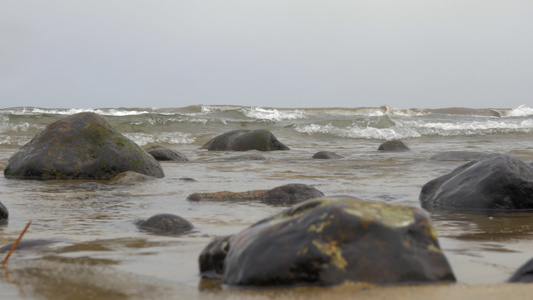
411,53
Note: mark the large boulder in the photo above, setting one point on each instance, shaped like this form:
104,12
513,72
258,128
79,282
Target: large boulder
81,146
283,195
244,140
329,241
493,181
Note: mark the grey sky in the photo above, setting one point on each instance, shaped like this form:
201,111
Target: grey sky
418,53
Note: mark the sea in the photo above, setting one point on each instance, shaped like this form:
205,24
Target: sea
91,248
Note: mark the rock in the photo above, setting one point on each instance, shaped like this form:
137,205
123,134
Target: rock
283,195
4,213
243,140
165,224
329,241
326,155
492,181
524,273
130,177
457,156
161,153
393,146
81,146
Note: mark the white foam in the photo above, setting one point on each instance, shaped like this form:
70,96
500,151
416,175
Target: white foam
161,138
520,111
272,114
71,111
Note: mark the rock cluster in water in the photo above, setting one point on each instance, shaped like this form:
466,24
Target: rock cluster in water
244,140
329,241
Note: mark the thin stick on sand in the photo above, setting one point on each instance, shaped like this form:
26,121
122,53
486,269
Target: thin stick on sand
15,245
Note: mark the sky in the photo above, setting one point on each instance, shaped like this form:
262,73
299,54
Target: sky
290,54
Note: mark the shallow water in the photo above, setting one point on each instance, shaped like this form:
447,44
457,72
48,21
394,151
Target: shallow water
99,251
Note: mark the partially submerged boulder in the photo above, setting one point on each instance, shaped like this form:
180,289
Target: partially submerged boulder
329,241
81,146
284,195
494,181
130,177
524,274
326,155
161,153
393,146
165,224
244,140
4,213
457,156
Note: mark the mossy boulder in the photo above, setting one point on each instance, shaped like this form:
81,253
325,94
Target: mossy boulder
244,140
165,224
493,182
161,153
282,195
329,241
393,146
81,146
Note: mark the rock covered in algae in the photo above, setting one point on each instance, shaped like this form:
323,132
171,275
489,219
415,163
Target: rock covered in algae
165,224
329,241
81,146
493,181
286,194
244,140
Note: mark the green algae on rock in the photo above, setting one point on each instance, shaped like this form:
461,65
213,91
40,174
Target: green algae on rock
329,241
81,146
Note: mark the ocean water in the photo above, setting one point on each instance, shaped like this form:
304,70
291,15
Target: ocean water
98,251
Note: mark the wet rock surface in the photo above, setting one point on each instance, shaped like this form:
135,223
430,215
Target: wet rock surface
393,146
524,273
161,153
326,155
244,140
81,146
4,213
165,224
283,195
329,241
493,182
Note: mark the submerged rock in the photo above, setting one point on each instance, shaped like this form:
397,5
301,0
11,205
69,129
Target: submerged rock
524,273
165,224
130,177
244,140
457,156
326,155
329,241
393,146
81,146
161,153
285,194
492,181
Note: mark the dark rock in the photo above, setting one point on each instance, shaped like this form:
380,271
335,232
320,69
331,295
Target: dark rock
161,153
329,241
393,146
81,146
326,155
457,156
4,213
524,273
28,244
130,177
492,181
165,224
282,195
243,140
